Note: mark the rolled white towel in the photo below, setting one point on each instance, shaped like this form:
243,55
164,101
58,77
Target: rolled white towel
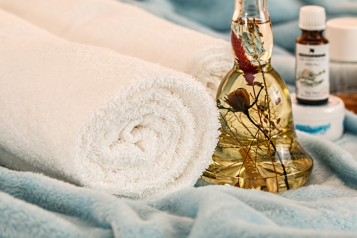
98,118
131,31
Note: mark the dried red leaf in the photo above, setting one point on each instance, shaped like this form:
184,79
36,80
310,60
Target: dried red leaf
244,64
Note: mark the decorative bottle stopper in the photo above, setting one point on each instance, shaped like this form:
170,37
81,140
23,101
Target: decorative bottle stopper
258,147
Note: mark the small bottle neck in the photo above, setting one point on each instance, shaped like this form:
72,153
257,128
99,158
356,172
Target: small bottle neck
313,34
257,9
252,35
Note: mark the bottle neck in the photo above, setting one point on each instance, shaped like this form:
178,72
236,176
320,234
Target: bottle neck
252,9
313,35
252,34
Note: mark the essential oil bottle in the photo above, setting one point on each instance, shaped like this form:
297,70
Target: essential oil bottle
312,58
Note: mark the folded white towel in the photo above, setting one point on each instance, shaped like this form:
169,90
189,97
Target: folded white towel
131,31
101,119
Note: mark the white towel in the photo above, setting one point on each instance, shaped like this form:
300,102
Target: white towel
101,119
131,31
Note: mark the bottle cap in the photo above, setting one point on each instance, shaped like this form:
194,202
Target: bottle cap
312,18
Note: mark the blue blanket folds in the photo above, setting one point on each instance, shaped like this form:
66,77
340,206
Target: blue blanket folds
33,205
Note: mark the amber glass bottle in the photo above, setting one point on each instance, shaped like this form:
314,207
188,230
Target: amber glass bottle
312,58
258,148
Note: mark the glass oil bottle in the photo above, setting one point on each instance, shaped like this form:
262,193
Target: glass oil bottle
258,147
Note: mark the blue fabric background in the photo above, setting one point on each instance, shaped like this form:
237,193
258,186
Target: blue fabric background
213,16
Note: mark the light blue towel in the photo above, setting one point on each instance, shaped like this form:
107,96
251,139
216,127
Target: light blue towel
32,205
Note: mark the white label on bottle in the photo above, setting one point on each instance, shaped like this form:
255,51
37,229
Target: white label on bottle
312,72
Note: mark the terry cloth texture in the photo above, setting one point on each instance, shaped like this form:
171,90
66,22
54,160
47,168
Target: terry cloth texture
131,31
100,119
